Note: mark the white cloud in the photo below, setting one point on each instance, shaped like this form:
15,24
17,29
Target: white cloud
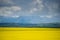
7,1
36,6
17,16
37,1
47,16
12,8
42,16
15,8
39,4
10,11
52,7
33,10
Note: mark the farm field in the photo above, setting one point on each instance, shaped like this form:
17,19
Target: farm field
29,33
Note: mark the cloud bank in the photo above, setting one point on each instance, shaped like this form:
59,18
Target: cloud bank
37,7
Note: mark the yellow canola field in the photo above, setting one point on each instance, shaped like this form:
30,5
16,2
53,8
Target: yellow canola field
29,33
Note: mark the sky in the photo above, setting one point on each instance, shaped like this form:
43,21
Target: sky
29,11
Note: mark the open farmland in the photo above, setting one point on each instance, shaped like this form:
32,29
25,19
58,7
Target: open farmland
29,33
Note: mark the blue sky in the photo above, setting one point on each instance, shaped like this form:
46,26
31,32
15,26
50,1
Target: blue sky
29,11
